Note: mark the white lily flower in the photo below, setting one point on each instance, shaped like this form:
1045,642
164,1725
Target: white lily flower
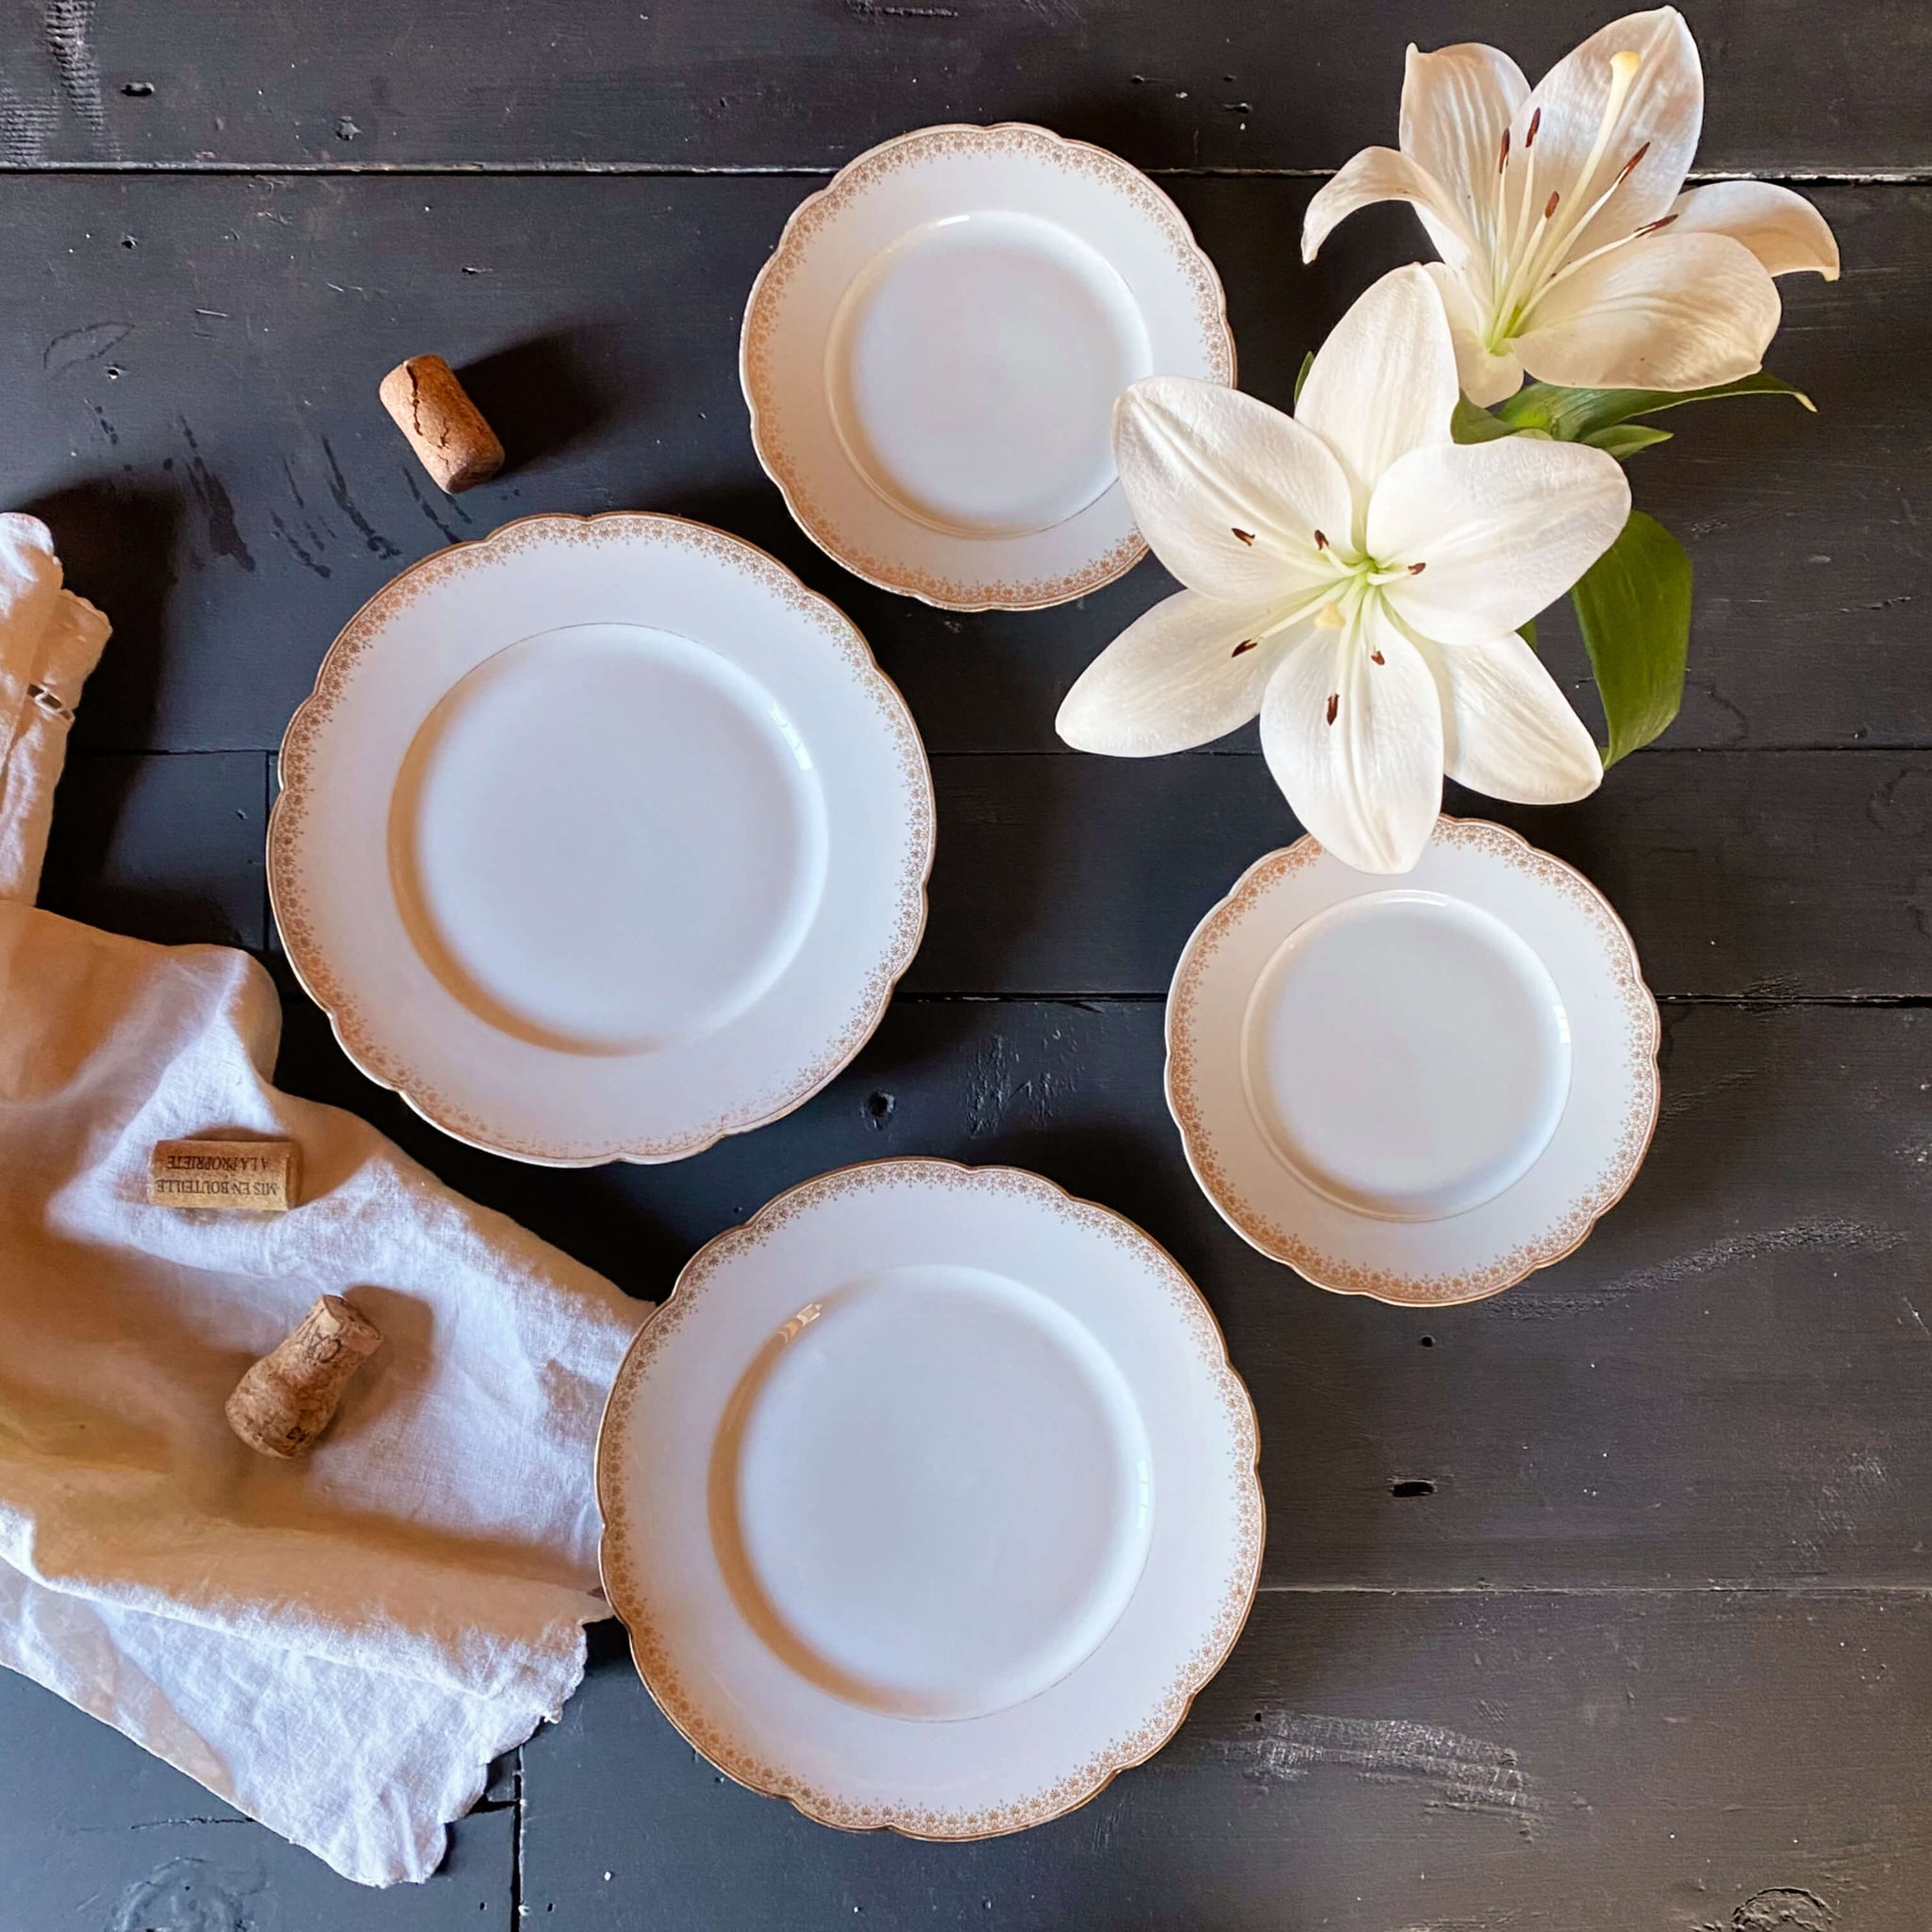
1357,578
1567,249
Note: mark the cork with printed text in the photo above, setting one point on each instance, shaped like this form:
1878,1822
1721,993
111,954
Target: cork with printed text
246,1177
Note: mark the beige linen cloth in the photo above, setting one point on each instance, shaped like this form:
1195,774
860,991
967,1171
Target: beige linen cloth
337,1645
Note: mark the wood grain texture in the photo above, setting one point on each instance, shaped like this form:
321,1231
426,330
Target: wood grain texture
164,848
192,371
97,1836
1540,1762
1724,1385
1745,876
1650,1649
809,83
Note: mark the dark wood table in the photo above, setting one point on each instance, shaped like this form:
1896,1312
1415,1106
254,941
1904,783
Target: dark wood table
1604,1603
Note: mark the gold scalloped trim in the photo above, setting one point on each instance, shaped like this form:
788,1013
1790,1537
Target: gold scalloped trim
1572,1226
763,319
652,1653
329,985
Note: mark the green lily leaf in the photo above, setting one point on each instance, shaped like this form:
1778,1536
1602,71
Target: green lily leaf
1623,440
1301,373
1634,607
1471,424
1571,415
1526,631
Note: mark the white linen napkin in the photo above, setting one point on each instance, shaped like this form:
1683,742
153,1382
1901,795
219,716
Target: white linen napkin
337,1645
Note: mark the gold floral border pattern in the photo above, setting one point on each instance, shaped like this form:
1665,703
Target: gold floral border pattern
289,817
1571,1228
652,1654
763,319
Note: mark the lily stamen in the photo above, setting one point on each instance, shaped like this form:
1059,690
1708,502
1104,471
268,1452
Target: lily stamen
1623,68
1548,249
1570,268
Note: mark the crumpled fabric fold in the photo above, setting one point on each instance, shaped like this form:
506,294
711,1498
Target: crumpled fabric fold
337,1645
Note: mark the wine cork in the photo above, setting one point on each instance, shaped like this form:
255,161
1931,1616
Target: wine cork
290,1397
445,428
248,1176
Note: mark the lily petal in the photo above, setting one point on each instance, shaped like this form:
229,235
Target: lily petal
1384,382
1782,230
1366,781
1174,678
1508,729
1492,532
1455,104
1380,173
1671,311
1227,490
1662,116
1486,378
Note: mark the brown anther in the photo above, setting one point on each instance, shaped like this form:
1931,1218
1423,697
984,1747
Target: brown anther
1632,162
1661,221
1247,537
1376,658
1536,121
1320,542
1334,705
1245,645
1550,206
1503,157
1415,570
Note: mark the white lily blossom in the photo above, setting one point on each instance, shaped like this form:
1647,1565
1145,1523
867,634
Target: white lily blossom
1568,250
1357,579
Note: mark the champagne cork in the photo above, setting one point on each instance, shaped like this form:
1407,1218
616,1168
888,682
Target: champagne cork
289,1397
246,1177
445,428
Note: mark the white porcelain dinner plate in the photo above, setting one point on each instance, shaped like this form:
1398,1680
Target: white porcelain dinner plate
929,1499
932,353
1420,1090
600,838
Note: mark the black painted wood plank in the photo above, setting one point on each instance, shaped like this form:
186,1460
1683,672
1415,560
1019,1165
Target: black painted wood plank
163,848
191,370
684,83
96,1834
1759,876
1727,1383
1540,1763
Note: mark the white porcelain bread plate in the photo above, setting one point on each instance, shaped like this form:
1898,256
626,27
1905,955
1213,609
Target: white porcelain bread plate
1420,1091
929,1499
600,838
932,353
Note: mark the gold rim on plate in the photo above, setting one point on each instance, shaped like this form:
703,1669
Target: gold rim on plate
761,320
1572,1226
330,990
650,1653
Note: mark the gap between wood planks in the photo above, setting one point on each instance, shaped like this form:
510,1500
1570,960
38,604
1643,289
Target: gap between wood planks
1807,1592
1853,178
1752,1002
